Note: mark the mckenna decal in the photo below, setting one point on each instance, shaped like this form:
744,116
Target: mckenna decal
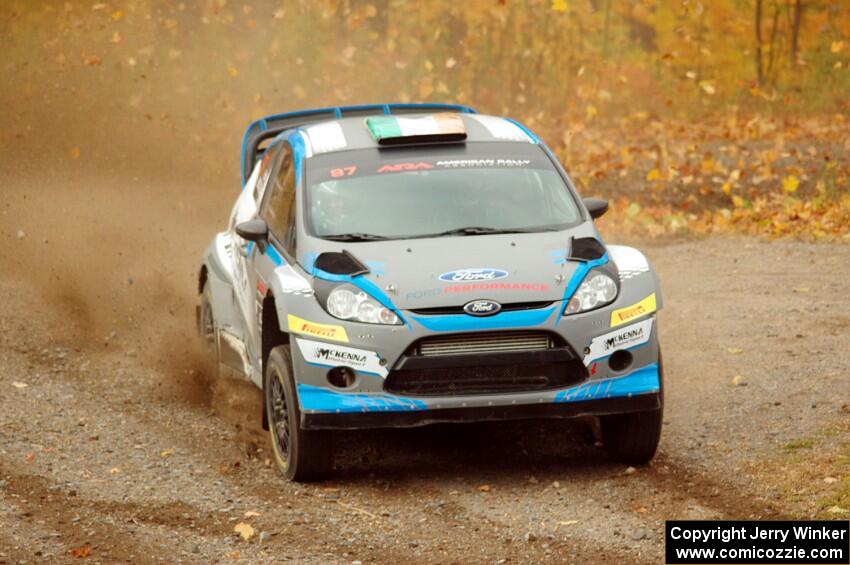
329,355
473,275
629,313
624,338
324,331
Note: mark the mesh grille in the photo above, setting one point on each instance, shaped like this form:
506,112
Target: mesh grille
485,380
484,343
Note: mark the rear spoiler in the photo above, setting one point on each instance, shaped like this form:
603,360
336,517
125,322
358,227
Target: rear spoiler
270,126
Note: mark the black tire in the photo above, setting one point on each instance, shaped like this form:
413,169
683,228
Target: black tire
633,438
207,331
301,455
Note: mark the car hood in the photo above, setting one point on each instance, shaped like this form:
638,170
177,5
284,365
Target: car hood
451,271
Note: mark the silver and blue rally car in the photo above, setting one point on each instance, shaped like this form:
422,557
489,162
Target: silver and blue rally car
405,264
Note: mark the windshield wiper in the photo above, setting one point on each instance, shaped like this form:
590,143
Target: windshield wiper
357,236
478,230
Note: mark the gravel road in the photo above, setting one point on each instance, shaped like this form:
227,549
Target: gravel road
114,443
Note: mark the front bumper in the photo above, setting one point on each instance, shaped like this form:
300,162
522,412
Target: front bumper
637,391
414,418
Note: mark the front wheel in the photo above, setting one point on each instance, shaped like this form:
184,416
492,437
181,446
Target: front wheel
633,438
301,455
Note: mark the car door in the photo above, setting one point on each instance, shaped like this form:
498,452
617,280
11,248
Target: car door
246,208
277,208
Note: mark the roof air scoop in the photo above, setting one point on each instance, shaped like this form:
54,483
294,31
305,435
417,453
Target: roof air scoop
391,131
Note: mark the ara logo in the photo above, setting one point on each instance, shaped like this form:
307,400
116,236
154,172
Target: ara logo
482,308
398,167
473,275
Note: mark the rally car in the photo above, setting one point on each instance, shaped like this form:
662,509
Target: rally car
406,264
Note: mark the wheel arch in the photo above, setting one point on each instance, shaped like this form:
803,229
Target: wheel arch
271,335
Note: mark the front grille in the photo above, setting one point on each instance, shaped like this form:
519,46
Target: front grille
485,379
490,342
512,307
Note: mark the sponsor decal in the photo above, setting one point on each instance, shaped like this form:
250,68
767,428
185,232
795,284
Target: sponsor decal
423,293
623,338
473,275
329,355
532,287
482,308
324,331
477,163
629,313
398,167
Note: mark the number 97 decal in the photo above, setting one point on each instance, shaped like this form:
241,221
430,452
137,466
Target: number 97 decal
343,172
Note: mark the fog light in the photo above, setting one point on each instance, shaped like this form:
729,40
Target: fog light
341,377
620,361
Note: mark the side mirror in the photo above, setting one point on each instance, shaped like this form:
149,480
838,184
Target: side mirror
255,230
596,206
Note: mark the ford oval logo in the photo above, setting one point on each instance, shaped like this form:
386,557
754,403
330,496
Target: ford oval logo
473,275
482,308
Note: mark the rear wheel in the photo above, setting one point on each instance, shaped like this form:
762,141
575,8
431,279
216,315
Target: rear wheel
633,438
301,455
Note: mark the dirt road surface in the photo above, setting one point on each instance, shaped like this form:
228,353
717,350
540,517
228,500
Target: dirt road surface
114,443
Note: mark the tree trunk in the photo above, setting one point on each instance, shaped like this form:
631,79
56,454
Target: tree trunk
759,70
795,30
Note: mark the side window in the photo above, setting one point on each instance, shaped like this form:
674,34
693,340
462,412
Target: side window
265,170
279,205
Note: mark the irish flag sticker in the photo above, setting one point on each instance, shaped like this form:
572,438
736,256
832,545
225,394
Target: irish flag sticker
392,130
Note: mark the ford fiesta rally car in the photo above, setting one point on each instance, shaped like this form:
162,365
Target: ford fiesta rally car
405,264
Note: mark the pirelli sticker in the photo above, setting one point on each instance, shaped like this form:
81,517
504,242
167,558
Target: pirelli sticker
629,313
324,331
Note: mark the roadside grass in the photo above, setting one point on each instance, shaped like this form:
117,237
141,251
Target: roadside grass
812,474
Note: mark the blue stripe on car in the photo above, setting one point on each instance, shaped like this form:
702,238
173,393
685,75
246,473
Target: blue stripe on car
318,399
640,381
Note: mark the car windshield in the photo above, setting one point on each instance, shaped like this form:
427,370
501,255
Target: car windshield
471,189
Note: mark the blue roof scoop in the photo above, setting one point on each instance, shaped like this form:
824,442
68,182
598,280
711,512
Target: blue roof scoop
270,126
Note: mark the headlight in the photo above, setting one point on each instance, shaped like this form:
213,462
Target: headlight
348,302
598,289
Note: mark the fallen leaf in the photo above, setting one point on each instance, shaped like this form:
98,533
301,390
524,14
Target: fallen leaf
166,453
837,47
74,153
484,488
244,530
830,480
29,457
837,510
18,384
81,552
734,350
654,174
251,513
790,183
559,5
801,289
707,87
233,71
117,15
567,522
738,380
114,471
92,60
